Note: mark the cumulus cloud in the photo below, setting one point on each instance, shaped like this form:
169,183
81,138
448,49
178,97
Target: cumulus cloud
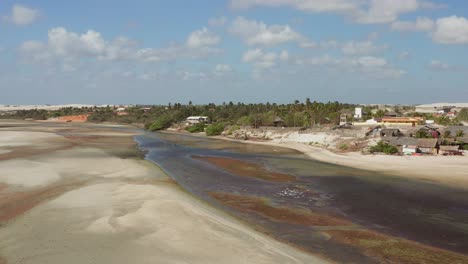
260,59
70,46
422,24
451,30
361,48
369,66
22,15
360,11
258,33
202,38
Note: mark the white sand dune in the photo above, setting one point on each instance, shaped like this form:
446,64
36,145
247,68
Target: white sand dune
115,220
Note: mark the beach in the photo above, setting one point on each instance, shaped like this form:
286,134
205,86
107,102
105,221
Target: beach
81,194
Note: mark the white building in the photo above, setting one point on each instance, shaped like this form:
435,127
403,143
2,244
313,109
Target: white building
358,113
197,119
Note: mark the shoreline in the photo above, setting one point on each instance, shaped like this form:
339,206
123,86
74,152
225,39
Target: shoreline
430,169
423,168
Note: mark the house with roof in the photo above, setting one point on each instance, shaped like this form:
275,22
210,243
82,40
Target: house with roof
409,145
390,132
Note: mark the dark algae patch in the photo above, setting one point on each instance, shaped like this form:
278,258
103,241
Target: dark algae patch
279,214
246,169
388,249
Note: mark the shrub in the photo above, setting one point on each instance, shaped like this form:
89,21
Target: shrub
161,122
465,147
343,146
447,134
384,147
200,127
215,129
460,133
232,129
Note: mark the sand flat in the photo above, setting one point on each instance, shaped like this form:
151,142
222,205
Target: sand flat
125,212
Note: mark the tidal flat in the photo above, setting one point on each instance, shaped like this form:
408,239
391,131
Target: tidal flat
343,214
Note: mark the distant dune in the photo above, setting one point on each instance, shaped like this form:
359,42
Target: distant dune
44,107
461,105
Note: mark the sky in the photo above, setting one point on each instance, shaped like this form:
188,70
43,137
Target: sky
161,51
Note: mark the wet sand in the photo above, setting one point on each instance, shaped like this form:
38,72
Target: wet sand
71,196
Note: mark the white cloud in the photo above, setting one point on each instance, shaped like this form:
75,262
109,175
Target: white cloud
284,55
403,55
368,66
362,48
305,5
438,65
22,15
385,11
422,24
223,68
218,22
451,30
260,59
71,47
369,61
360,11
258,33
202,38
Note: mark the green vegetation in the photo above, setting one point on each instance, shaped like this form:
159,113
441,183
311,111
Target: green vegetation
423,134
197,128
232,129
343,147
215,129
447,133
460,133
463,115
161,122
383,147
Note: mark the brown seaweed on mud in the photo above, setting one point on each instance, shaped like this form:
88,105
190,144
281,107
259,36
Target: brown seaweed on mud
246,169
381,247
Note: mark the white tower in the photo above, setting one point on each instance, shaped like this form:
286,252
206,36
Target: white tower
358,113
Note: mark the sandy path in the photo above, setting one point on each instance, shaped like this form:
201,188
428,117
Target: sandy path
128,212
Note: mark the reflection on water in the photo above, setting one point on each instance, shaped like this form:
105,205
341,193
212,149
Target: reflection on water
323,193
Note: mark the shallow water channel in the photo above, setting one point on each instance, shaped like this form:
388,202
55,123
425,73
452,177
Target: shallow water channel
344,214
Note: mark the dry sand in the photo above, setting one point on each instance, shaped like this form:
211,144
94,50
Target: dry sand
123,211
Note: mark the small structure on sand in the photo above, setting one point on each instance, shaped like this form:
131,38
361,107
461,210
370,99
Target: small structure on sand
408,145
278,122
390,132
191,120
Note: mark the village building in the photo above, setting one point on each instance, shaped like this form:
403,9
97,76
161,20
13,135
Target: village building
278,122
409,146
390,132
196,119
390,114
450,150
403,121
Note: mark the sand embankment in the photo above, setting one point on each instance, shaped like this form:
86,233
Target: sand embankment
90,199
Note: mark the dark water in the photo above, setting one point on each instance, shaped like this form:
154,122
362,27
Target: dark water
423,212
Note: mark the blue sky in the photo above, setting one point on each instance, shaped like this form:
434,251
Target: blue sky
155,52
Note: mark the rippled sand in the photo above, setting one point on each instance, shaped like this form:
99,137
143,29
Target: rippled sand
79,201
